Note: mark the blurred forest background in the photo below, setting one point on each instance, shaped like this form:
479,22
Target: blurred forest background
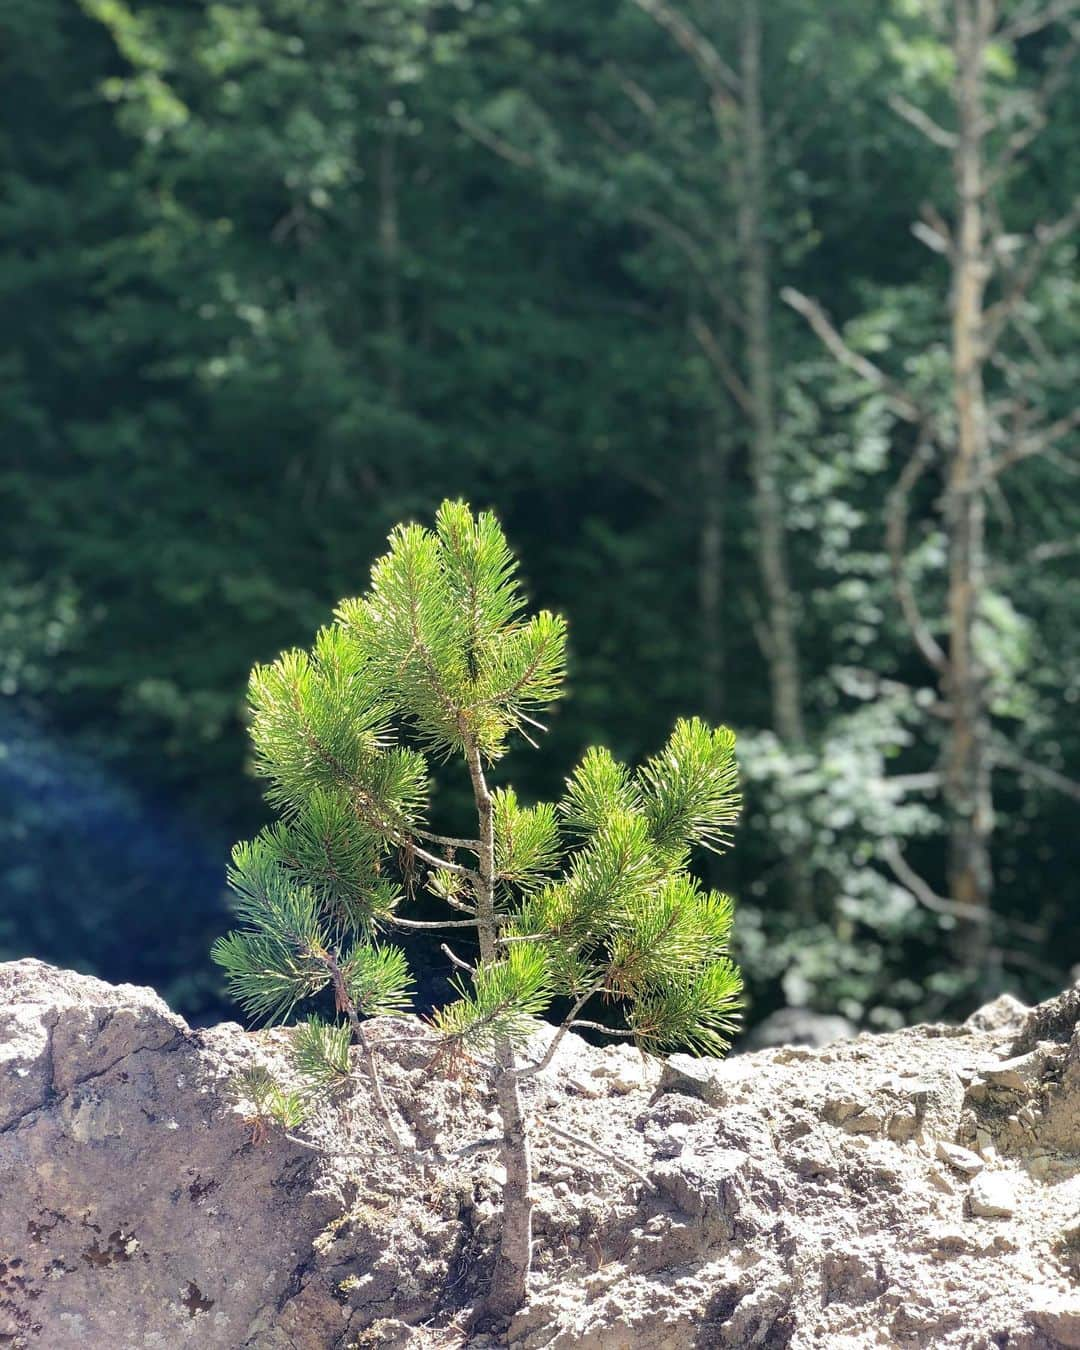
757,323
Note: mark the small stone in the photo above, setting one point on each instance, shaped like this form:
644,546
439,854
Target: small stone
1002,1014
839,1109
692,1077
866,1122
672,1142
949,1241
941,1181
992,1196
1058,1315
1022,1073
960,1158
1038,1166
1005,1079
902,1124
626,1080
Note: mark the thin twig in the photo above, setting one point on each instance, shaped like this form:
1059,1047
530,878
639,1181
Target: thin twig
440,924
695,254
344,1002
706,340
522,159
717,74
915,782
1035,18
921,121
1043,238
896,519
613,1159
528,1070
599,1026
443,864
447,841
456,960
1011,759
823,326
478,1146
1038,443
921,891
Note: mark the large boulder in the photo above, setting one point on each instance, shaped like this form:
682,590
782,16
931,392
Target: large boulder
134,1211
920,1188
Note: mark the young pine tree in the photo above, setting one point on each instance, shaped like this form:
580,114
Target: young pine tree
587,899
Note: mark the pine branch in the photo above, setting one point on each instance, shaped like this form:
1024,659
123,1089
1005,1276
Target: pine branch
599,1026
446,840
441,864
456,960
434,924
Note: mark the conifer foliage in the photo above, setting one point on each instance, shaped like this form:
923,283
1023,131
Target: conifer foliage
586,899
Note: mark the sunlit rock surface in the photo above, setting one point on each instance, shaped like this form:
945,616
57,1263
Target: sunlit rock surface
920,1188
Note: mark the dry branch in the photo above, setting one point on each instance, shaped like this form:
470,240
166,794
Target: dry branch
823,326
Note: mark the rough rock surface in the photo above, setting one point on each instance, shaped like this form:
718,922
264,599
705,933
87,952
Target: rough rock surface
920,1188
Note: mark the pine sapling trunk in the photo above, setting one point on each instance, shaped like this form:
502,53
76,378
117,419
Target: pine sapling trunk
509,1282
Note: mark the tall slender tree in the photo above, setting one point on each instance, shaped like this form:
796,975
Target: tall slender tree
976,434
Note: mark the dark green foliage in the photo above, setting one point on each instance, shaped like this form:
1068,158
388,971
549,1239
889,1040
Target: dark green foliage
264,295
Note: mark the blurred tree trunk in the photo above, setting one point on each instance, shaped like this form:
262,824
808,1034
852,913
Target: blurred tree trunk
390,250
736,102
973,447
713,475
967,762
771,537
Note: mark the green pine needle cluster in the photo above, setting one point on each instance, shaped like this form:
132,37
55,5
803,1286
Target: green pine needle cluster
587,898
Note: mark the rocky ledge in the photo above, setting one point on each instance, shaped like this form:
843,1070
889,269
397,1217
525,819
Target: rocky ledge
914,1189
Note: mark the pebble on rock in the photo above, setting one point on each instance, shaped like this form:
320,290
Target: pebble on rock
992,1196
